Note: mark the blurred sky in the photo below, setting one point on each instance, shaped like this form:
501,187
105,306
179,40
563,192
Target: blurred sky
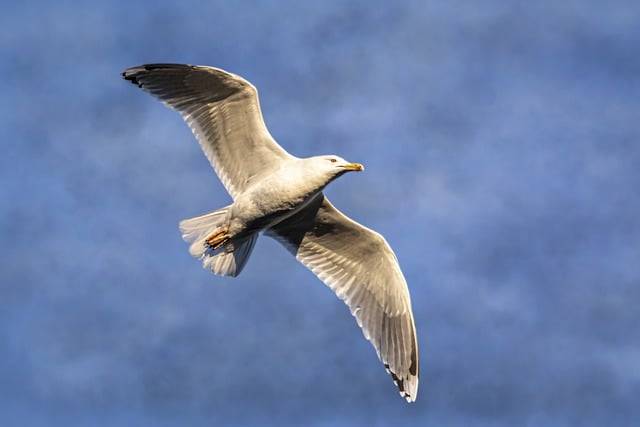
501,140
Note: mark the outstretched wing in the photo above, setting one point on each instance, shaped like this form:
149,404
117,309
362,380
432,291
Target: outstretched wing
223,112
360,267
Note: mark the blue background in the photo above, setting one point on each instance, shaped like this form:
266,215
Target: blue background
501,141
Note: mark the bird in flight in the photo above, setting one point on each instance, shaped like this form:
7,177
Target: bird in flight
281,196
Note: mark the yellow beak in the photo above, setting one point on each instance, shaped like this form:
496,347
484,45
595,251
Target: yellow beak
354,167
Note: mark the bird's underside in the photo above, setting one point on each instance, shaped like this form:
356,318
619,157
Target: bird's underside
223,111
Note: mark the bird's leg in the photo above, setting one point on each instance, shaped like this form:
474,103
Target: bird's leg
218,238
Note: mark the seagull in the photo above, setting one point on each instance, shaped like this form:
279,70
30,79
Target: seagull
281,196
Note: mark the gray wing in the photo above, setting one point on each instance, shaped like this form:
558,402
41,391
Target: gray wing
360,267
223,112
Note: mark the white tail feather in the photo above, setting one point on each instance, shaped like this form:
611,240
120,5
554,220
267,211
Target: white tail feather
230,259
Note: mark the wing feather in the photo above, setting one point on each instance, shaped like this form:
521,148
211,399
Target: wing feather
360,267
223,111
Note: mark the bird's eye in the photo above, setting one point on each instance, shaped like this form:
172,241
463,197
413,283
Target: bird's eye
333,160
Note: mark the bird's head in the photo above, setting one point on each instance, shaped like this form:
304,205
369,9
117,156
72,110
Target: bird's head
321,170
335,165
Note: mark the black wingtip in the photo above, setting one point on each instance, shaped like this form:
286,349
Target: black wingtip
131,74
400,384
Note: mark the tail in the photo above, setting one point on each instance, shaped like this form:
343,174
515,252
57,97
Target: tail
210,243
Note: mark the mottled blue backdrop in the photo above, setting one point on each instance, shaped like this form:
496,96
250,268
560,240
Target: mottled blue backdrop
502,146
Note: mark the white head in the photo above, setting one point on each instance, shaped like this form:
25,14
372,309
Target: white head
333,166
324,169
